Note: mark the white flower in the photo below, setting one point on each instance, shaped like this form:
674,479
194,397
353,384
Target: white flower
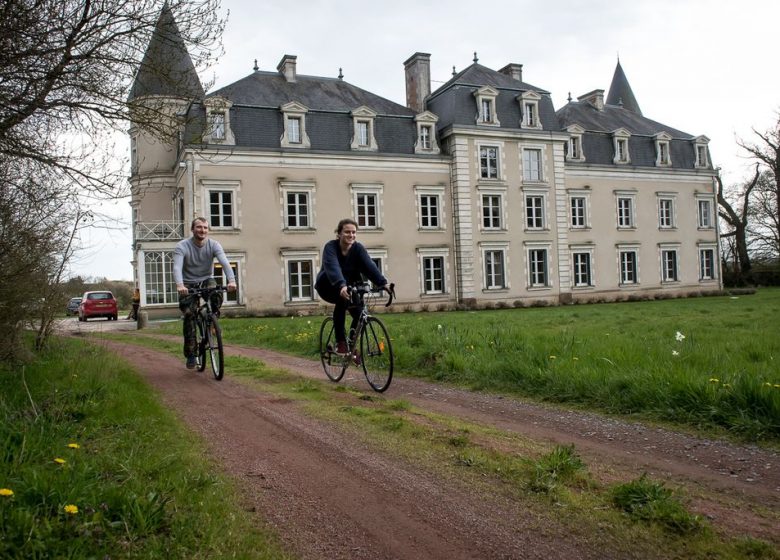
679,336
438,327
675,353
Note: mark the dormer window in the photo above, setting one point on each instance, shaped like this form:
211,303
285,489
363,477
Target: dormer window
702,157
620,142
218,129
662,145
529,108
294,135
426,133
363,137
486,106
574,145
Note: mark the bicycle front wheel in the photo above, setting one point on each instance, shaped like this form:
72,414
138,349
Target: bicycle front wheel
202,341
216,352
333,364
376,354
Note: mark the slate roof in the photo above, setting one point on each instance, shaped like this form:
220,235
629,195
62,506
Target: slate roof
620,92
611,118
166,68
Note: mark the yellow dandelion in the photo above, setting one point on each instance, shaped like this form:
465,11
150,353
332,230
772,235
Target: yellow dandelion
767,384
553,357
727,385
59,461
7,492
71,509
776,385
575,358
714,380
74,445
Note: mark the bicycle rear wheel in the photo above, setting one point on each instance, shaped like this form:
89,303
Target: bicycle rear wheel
376,354
333,364
216,352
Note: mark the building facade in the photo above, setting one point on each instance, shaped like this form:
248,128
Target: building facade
478,193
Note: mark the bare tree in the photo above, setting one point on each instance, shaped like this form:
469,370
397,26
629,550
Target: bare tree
736,213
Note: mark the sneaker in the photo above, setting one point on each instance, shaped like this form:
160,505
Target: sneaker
191,361
356,358
341,347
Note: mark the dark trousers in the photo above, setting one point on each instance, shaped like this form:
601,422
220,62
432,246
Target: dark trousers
189,307
340,311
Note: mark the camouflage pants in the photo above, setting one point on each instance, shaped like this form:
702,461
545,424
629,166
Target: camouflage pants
189,307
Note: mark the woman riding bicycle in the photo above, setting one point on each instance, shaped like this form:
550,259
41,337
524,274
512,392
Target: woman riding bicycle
343,262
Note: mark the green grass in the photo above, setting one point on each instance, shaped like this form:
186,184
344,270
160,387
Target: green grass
97,468
622,358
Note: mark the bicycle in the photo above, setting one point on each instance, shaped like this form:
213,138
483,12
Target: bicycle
368,347
208,332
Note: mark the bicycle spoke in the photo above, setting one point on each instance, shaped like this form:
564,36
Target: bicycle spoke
333,364
376,354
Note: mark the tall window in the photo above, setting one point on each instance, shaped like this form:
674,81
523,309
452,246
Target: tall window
706,264
486,106
299,280
425,137
159,286
294,130
221,208
665,213
537,268
221,278
628,267
363,132
297,209
134,153
429,211
705,214
433,275
621,150
625,210
218,126
494,269
366,210
582,275
491,211
574,147
488,162
663,153
578,209
669,265
534,212
532,165
486,110
530,118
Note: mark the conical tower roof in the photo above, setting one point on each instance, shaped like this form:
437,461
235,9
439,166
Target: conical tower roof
167,68
620,92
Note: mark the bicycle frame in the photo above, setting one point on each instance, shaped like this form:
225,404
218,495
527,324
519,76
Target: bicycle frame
208,332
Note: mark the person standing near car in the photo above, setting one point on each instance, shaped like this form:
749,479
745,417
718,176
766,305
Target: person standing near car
193,264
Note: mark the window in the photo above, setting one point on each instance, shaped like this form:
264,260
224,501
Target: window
159,287
620,140
366,206
492,211
378,257
529,107
133,153
221,209
574,145
433,270
582,274
625,212
221,278
486,106
297,202
218,130
299,276
665,213
425,137
705,214
294,130
294,135
700,149
577,205
429,211
662,143
363,137
629,269
529,115
488,162
663,154
217,122
534,211
494,269
706,264
669,265
537,268
532,165
426,133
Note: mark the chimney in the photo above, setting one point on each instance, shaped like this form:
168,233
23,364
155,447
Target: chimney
595,98
287,67
418,80
513,70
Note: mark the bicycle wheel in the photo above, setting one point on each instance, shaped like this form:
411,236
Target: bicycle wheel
333,364
376,354
216,352
201,341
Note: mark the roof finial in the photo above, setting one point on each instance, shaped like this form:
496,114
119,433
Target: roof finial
453,71
255,67
475,57
569,98
341,74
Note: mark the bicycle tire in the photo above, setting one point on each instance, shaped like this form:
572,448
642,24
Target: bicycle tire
216,350
333,364
376,354
201,341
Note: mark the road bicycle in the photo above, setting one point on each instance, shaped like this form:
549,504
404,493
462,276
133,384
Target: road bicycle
368,347
208,332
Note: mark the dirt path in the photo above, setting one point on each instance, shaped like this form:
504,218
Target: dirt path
329,497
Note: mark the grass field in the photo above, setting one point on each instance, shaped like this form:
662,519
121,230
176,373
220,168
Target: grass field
708,363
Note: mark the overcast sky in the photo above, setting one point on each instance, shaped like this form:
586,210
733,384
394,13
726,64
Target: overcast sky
700,66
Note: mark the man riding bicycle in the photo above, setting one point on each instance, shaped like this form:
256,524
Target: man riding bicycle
193,262
343,262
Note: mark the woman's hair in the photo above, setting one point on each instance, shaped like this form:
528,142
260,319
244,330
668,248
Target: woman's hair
344,222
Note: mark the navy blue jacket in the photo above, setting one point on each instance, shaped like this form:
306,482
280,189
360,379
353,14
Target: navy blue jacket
339,270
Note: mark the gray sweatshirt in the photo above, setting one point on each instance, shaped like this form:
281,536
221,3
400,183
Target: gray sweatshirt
192,264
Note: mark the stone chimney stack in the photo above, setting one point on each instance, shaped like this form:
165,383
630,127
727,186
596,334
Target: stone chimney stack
513,70
287,67
595,98
418,80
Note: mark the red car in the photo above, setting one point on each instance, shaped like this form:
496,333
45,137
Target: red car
98,304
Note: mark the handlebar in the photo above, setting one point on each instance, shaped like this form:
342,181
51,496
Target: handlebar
365,288
206,290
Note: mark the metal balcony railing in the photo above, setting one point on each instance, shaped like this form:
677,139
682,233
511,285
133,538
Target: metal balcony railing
159,231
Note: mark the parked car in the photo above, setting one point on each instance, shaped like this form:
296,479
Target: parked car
73,306
98,304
